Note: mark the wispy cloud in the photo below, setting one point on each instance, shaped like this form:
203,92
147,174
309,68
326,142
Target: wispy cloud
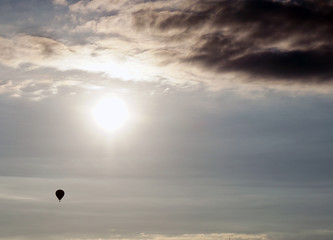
60,2
280,40
259,44
31,49
96,6
17,197
96,57
272,42
213,236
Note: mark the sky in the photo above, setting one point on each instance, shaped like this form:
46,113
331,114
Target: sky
228,132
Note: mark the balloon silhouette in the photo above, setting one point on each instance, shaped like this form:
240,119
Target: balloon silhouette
60,194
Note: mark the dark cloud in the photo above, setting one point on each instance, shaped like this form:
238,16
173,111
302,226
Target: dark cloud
312,64
273,39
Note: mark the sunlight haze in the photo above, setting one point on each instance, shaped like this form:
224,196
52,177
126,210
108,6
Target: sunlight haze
110,113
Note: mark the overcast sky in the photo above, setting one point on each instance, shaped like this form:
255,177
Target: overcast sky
229,134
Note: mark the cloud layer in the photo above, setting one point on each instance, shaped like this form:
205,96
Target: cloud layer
281,40
222,44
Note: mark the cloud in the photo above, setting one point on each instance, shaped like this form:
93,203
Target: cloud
60,2
312,65
98,57
103,25
30,49
212,236
96,6
281,40
220,44
17,198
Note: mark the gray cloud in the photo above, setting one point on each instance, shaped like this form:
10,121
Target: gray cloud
219,43
27,49
283,40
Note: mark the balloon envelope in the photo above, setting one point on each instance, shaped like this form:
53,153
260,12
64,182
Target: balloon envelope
60,194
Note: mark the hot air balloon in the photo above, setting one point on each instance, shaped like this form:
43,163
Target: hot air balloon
60,194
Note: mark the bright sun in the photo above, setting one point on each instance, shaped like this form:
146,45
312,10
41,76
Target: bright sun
110,113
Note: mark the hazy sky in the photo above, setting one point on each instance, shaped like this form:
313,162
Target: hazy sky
229,133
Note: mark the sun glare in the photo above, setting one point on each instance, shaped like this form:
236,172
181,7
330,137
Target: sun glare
110,113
